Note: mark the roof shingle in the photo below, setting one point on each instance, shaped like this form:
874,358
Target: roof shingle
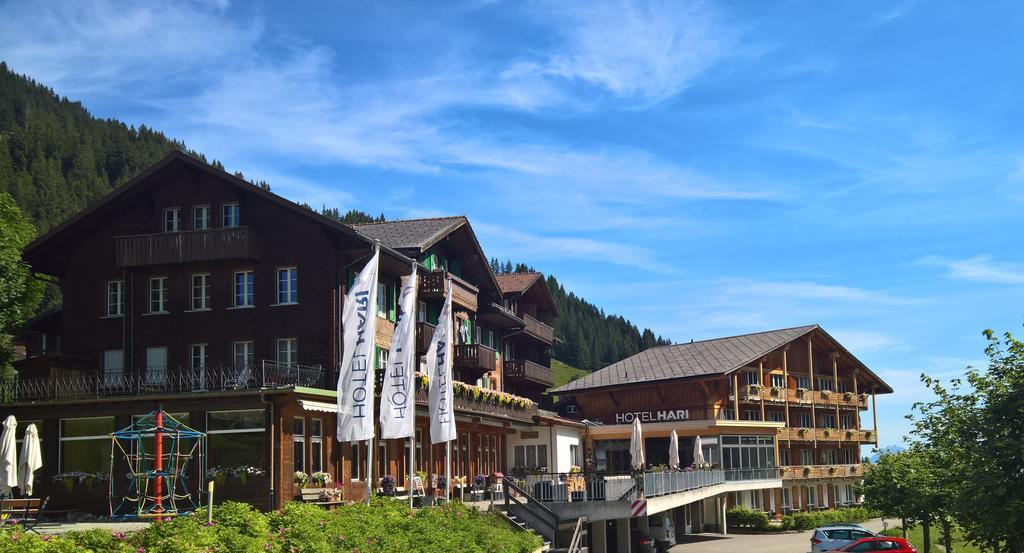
516,282
417,234
704,358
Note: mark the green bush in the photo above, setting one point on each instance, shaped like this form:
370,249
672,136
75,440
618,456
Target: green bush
384,525
809,521
741,517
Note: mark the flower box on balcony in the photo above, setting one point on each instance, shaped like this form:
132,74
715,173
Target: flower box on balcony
801,393
826,394
848,396
850,434
776,391
833,470
803,432
807,471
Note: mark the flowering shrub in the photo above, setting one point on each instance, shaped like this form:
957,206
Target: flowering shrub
321,478
482,395
331,494
387,484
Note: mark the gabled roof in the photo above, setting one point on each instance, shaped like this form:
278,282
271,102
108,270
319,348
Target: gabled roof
179,157
516,282
713,357
412,234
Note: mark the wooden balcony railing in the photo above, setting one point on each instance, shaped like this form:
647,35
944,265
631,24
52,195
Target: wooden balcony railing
827,435
802,396
519,370
538,329
475,357
183,247
463,293
424,333
815,472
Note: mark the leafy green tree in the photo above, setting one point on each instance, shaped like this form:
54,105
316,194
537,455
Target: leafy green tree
19,292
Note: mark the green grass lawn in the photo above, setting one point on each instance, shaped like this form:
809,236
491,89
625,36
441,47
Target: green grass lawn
916,536
565,373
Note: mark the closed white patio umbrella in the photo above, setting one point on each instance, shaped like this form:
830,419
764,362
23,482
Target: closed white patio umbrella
8,457
698,452
636,445
673,451
31,460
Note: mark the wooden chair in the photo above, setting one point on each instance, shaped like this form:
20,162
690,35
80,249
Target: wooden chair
417,487
25,512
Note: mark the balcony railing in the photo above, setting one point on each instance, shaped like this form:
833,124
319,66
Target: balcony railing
814,472
424,333
538,329
522,370
183,247
827,435
580,486
463,293
825,398
151,381
475,357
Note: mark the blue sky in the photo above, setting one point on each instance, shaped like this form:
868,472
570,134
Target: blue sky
703,168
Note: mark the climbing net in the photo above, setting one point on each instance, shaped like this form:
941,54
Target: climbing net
157,450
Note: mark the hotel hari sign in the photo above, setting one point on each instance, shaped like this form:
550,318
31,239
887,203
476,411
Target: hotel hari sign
653,416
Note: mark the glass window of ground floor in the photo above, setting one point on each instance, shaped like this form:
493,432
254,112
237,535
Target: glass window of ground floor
236,438
85,444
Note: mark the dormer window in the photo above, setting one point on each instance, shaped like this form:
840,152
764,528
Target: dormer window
230,215
172,219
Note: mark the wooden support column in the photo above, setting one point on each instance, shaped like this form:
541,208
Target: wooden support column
810,373
835,383
856,411
874,413
785,391
760,370
735,396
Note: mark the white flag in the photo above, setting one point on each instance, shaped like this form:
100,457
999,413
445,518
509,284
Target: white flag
439,373
356,374
398,398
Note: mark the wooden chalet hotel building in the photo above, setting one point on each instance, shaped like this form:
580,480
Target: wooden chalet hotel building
191,289
789,398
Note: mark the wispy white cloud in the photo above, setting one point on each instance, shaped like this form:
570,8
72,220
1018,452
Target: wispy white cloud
892,13
980,268
806,290
647,50
867,341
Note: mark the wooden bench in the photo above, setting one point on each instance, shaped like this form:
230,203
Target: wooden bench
25,512
313,496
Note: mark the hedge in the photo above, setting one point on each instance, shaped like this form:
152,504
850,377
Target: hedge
809,521
384,525
741,517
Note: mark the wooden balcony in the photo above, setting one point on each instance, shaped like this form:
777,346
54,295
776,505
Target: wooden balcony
470,404
827,435
473,360
845,400
463,293
818,472
184,247
521,370
538,329
424,333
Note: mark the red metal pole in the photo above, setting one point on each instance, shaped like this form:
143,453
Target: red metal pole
158,465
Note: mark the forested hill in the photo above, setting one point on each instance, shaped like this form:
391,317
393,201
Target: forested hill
591,339
56,158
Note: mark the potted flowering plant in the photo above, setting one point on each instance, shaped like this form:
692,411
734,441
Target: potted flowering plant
321,479
776,391
826,394
803,432
440,485
807,471
801,392
848,396
301,478
387,485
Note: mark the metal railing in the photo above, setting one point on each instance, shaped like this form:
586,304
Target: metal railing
150,381
579,486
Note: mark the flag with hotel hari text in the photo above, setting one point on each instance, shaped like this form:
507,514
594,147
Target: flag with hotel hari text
356,372
398,393
439,373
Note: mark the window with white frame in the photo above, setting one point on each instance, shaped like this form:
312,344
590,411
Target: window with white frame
844,385
316,445
201,292
751,415
785,499
172,219
752,377
156,365
777,416
113,366
287,351
287,285
244,287
158,295
299,443
382,358
806,456
382,299
358,460
811,496
229,215
197,356
243,353
805,420
85,444
848,457
846,421
531,457
235,438
784,457
827,420
803,382
778,381
828,456
200,217
115,298
421,311
574,455
826,383
726,413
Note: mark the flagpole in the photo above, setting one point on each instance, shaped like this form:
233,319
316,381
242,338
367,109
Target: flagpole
412,464
369,469
447,470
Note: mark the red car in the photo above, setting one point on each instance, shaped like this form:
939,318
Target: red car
880,544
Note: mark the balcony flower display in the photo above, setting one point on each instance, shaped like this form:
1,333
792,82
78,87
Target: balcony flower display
70,479
776,391
826,394
849,434
331,495
833,470
807,471
480,395
863,398
321,479
868,434
301,478
754,388
848,396
828,432
801,392
803,432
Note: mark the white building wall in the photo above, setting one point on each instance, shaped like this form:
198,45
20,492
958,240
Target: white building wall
558,440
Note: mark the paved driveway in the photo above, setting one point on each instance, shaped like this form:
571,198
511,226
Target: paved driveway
796,542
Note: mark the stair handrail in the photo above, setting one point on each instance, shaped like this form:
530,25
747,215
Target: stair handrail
575,546
551,520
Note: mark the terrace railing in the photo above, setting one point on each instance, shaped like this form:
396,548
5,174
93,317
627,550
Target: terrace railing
168,380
